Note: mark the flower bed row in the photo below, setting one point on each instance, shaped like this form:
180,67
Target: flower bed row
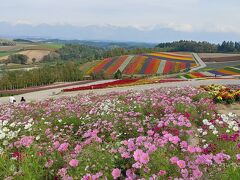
103,85
224,94
122,83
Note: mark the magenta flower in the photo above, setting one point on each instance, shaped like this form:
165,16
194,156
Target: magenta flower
162,173
116,173
181,164
63,147
73,163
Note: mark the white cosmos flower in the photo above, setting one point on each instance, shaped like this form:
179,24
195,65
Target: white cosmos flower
211,127
235,128
215,132
12,124
205,146
227,131
205,121
5,129
5,143
4,123
2,135
204,133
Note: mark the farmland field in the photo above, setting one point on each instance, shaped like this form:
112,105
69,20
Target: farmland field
219,57
150,63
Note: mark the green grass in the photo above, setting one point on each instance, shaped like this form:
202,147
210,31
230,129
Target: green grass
7,53
51,45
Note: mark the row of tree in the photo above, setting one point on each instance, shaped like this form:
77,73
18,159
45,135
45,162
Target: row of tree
84,53
201,47
7,43
65,72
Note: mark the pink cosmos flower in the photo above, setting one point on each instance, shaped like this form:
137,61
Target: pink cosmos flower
26,141
56,144
191,149
78,149
116,173
238,157
197,173
162,173
144,158
49,163
181,164
184,173
137,154
174,139
63,147
73,163
174,160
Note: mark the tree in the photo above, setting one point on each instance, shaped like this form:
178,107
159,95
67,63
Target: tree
18,59
33,60
118,74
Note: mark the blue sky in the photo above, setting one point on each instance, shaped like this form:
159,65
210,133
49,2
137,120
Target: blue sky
179,15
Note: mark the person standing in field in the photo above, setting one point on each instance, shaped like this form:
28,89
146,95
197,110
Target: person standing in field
23,100
12,100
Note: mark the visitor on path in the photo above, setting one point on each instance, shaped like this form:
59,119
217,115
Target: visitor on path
23,100
12,100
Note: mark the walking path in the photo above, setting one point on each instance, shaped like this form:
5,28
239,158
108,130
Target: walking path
56,93
200,62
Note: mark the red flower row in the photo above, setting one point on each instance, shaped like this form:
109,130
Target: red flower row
103,85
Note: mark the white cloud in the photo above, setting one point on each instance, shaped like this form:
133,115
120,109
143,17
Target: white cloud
180,15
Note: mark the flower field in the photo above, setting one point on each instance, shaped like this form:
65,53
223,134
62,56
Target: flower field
228,71
168,133
122,83
150,63
224,94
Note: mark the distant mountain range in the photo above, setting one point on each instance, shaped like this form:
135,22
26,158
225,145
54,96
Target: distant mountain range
109,33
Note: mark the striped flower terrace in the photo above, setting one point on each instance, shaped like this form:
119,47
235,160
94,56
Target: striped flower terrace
148,63
228,71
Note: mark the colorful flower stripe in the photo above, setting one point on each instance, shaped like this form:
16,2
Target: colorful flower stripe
126,62
101,65
141,61
167,59
129,69
145,65
103,85
226,72
167,67
110,63
92,68
161,55
196,74
217,73
170,56
177,54
112,69
232,69
152,67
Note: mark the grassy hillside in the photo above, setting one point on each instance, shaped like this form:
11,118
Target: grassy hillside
149,63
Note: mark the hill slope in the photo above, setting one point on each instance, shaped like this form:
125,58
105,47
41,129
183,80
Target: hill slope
150,63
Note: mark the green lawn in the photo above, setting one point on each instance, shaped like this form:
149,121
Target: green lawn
51,45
